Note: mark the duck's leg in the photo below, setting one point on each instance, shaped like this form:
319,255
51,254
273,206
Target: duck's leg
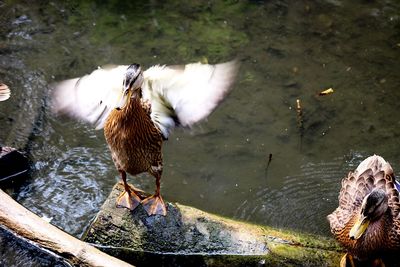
128,199
347,261
378,263
155,204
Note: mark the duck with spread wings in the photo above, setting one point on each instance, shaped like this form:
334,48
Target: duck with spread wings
138,109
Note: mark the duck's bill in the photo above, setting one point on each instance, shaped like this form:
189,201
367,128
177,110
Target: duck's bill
123,100
359,227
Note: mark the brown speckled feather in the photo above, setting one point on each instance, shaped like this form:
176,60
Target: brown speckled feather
381,235
134,140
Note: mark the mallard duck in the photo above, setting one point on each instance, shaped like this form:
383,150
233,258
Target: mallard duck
4,92
138,109
367,220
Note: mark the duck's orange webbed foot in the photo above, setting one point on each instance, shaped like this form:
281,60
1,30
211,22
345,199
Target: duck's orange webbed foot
131,197
154,205
128,199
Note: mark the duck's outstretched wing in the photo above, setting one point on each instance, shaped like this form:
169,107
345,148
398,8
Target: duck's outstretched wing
4,92
92,97
184,95
179,95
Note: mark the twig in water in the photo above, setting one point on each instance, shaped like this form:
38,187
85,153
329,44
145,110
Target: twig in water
269,162
300,120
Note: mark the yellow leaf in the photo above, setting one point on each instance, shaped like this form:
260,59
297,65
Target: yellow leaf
326,92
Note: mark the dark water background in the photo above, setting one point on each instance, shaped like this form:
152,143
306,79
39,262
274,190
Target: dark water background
288,50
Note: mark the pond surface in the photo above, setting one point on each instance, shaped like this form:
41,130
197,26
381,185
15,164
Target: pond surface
288,50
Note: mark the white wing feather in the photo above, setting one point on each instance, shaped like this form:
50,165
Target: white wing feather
180,95
187,94
91,97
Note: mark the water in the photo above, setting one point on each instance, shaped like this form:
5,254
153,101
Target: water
8,245
288,50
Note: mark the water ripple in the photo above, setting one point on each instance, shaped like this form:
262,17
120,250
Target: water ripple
70,191
302,201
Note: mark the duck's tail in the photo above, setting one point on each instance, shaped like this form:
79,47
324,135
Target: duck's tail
4,92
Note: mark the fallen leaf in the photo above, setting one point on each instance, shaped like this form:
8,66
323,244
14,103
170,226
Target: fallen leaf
326,92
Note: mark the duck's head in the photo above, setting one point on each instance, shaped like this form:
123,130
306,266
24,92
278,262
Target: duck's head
132,82
374,205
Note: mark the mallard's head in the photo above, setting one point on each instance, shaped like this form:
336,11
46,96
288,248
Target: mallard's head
374,205
132,82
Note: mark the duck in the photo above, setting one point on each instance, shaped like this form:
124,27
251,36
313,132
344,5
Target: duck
5,92
139,108
367,221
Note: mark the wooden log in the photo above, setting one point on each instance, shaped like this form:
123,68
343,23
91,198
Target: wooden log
24,223
188,236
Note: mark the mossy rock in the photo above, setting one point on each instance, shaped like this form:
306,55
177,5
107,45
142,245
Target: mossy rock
188,236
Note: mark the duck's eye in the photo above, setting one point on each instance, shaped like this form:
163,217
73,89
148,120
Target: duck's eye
133,81
126,82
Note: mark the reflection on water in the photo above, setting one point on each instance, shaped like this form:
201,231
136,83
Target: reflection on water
288,51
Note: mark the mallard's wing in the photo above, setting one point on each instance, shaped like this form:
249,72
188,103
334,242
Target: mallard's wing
184,95
373,172
92,97
179,95
384,178
352,192
4,92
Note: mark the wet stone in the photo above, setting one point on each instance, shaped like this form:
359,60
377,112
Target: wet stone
188,235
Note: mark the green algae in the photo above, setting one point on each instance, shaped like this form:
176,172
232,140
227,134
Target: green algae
143,27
